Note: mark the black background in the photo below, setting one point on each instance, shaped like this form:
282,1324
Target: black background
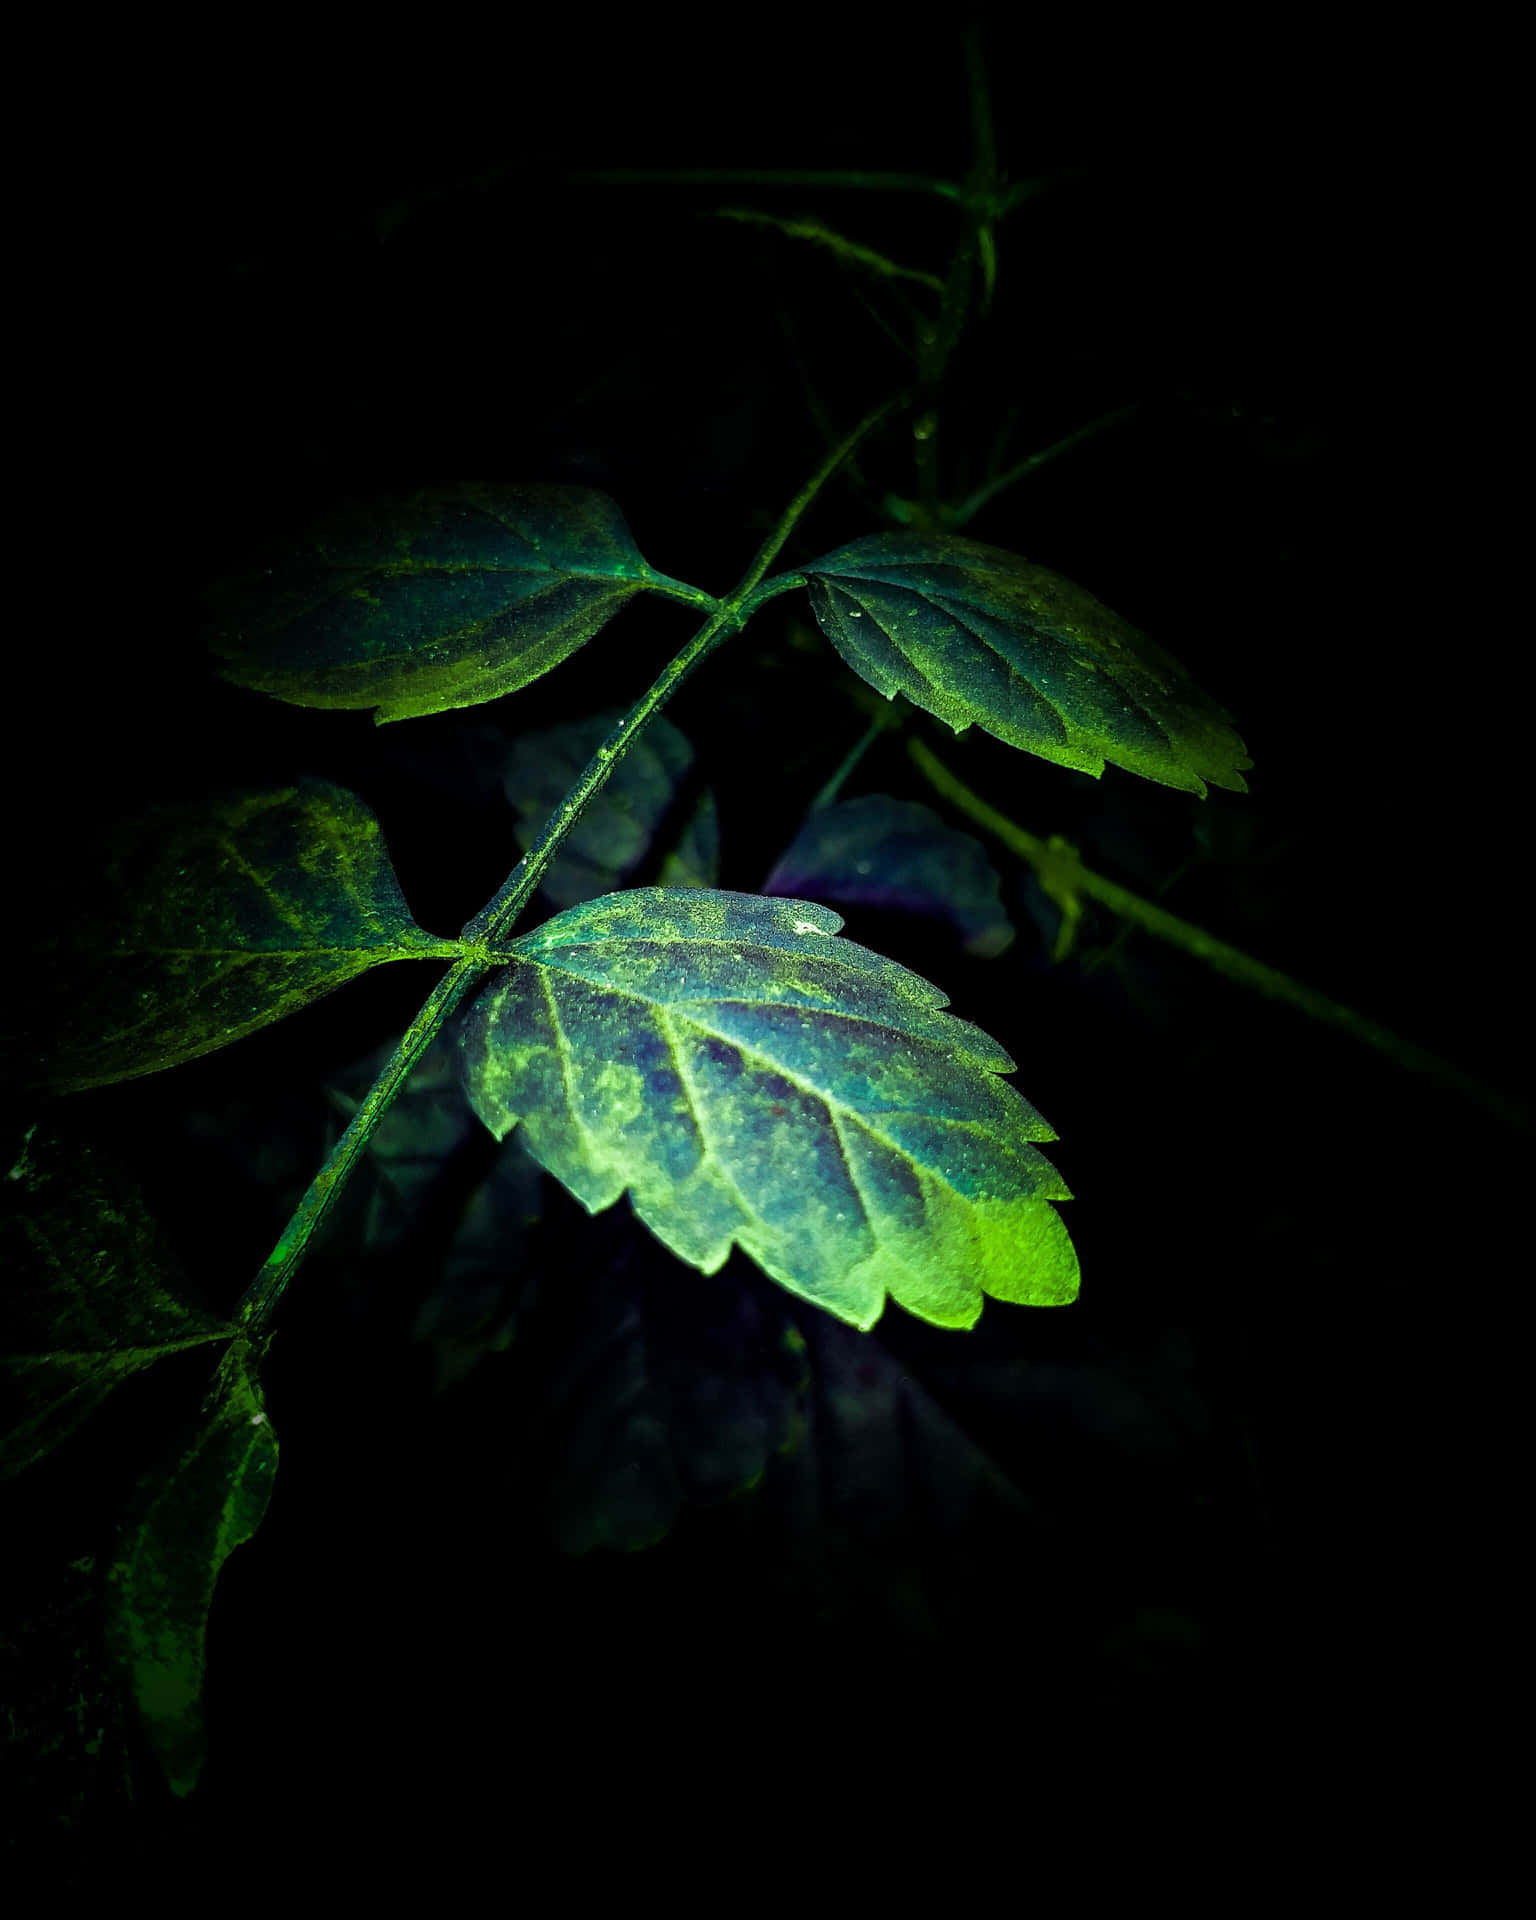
309,276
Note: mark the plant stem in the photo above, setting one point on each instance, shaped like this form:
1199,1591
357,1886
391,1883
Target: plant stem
850,760
1064,876
973,505
494,922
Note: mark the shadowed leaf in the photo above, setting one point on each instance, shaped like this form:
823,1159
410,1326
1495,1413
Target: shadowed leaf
654,1396
187,1516
460,1217
751,1080
617,828
880,852
975,635
440,599
216,920
92,1293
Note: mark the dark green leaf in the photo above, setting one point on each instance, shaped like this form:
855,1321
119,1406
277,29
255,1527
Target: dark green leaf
92,1293
213,921
751,1080
617,828
976,635
186,1518
880,852
441,599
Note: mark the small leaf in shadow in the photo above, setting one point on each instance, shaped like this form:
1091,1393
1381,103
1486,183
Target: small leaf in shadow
637,805
885,853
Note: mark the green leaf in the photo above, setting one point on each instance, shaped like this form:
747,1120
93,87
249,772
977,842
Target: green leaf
440,599
896,854
751,1080
618,826
186,1518
92,1292
975,635
214,921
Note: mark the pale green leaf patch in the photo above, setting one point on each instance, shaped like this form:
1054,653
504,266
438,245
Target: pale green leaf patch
752,1080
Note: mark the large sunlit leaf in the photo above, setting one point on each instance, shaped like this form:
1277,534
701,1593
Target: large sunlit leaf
751,1079
441,599
92,1292
186,1517
212,921
975,635
897,854
619,825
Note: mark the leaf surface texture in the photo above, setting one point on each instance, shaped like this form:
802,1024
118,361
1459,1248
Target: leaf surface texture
975,635
439,599
213,921
750,1079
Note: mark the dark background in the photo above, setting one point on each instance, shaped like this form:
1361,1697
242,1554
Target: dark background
311,277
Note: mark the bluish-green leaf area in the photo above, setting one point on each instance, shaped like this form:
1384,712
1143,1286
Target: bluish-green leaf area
441,599
880,852
752,1080
619,824
975,635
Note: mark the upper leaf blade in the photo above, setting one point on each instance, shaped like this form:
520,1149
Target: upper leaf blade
216,920
751,1080
440,599
973,634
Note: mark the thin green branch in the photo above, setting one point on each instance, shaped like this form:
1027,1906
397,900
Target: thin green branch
851,251
958,516
1066,879
850,760
494,922
762,177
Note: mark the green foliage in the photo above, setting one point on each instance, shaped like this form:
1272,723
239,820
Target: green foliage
186,1518
975,635
213,921
614,834
93,1293
751,1080
441,599
880,852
